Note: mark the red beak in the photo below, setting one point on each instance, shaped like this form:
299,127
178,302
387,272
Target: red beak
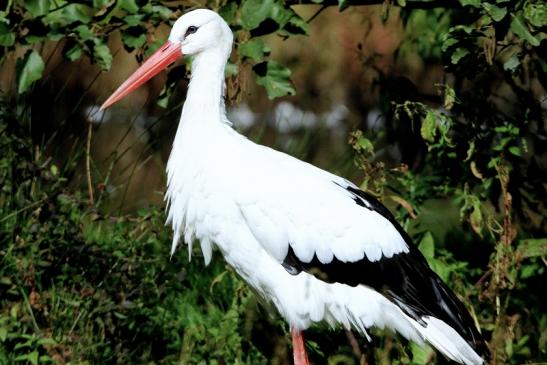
163,57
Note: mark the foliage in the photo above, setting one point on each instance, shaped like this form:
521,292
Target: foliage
84,27
80,286
481,144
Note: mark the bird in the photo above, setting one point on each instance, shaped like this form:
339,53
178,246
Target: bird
311,243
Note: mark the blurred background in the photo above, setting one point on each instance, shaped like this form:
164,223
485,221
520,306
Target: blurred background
437,108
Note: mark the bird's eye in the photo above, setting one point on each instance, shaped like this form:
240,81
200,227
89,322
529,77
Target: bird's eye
191,30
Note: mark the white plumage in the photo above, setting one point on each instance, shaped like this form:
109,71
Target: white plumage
272,215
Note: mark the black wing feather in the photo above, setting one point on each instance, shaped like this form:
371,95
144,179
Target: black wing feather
405,278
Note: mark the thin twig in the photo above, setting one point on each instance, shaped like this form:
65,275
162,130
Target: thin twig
88,162
316,14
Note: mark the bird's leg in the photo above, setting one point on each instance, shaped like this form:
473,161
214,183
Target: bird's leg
299,350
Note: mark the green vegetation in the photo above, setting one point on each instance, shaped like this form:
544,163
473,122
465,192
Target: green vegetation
81,282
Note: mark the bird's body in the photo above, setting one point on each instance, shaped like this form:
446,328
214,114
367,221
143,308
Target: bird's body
308,241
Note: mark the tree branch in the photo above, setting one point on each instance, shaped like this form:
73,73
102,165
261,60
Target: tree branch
410,4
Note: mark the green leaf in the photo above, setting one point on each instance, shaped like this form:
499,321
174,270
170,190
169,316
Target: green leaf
365,145
228,12
428,129
512,63
84,32
536,14
401,3
73,53
475,218
231,69
496,13
342,5
133,20
154,46
162,12
254,49
31,69
31,357
515,150
134,37
458,54
421,354
37,7
296,25
129,5
473,3
449,97
7,38
3,334
73,13
519,28
99,4
254,12
427,246
102,55
533,247
275,78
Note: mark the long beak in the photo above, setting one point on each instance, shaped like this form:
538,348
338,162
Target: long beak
163,57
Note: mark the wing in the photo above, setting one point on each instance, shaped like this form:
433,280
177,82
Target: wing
317,222
286,201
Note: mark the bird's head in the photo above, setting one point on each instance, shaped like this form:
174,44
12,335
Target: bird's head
195,32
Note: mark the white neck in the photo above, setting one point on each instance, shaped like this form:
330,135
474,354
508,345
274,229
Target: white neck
203,115
204,103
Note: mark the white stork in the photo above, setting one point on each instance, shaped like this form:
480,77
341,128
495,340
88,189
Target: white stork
308,241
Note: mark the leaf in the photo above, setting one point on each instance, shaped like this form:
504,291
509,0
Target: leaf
495,12
404,204
515,150
518,27
458,54
161,12
421,354
7,38
365,145
99,4
134,37
296,25
275,78
153,47
254,49
533,247
3,334
473,3
342,5
254,12
73,13
84,32
31,68
102,55
512,63
475,171
133,20
536,14
475,218
31,357
37,7
449,97
129,5
427,246
74,52
231,69
228,12
428,129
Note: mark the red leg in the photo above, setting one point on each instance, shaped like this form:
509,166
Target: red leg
299,350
